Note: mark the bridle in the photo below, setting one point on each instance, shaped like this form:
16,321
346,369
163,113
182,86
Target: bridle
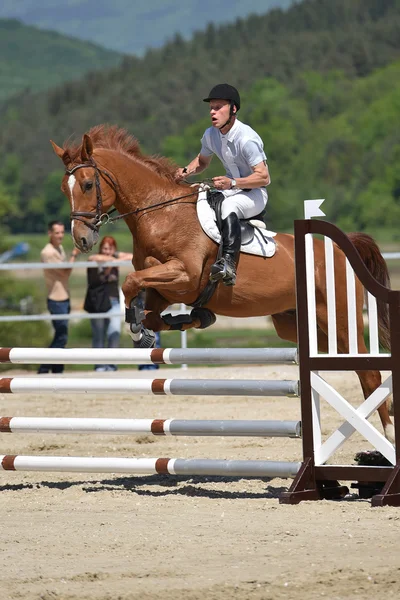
100,217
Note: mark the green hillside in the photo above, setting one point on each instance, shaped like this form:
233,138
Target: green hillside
31,59
318,82
132,27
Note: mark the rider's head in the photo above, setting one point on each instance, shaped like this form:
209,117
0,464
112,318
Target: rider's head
224,102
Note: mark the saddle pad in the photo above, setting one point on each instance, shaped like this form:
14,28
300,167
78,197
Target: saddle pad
263,243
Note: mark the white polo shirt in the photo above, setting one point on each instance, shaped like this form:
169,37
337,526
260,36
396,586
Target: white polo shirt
239,149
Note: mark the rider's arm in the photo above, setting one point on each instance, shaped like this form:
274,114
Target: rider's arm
259,178
197,165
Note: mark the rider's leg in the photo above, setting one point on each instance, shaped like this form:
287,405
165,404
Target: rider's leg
241,205
225,268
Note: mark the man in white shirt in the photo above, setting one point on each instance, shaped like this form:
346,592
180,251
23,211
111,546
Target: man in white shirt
241,151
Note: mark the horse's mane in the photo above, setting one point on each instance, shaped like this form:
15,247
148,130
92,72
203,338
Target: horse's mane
114,138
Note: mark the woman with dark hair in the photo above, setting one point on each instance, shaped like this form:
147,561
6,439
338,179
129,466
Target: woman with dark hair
103,296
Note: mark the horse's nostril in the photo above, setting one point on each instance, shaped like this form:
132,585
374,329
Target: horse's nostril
84,243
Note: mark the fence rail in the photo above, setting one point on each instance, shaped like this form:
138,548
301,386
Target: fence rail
76,315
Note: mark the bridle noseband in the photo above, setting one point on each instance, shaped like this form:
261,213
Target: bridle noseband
99,217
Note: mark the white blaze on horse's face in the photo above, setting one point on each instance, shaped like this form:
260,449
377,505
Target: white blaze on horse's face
71,183
84,237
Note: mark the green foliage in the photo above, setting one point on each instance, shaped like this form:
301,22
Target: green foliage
329,137
26,334
5,200
323,97
31,59
13,293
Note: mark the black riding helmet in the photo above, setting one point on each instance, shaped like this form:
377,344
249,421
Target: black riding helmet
224,91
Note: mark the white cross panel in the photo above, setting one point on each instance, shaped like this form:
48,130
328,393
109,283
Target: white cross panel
355,419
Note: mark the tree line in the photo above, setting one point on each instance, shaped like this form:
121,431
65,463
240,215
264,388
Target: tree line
315,85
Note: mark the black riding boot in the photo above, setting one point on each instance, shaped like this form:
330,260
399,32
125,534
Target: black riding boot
225,268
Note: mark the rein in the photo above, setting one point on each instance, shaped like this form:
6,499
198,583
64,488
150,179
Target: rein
103,218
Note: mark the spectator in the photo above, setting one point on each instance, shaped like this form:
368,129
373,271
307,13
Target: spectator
103,296
58,299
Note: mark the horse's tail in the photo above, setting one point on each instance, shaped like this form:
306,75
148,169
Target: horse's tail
376,264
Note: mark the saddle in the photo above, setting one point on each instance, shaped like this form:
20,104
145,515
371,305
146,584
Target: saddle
255,237
247,226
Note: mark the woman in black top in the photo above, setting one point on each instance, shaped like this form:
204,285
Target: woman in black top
103,296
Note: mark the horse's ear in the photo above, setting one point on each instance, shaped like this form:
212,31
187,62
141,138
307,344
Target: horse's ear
87,148
61,153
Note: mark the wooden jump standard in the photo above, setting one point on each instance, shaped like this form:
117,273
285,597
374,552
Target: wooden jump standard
314,473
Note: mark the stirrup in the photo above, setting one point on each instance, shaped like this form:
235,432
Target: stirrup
223,270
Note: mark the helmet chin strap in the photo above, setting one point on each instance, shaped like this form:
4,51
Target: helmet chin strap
231,114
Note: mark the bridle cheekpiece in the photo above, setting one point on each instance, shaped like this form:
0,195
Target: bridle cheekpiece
99,218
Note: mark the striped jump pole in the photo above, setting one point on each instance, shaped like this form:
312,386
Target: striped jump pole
138,356
152,466
179,427
174,387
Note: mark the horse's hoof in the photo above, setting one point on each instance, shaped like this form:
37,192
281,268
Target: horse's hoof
147,339
134,331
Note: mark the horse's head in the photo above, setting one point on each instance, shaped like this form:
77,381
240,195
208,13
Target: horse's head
91,191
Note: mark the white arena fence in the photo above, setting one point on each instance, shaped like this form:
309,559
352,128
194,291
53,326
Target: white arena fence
78,315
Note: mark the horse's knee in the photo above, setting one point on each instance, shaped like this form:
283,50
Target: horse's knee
130,288
150,261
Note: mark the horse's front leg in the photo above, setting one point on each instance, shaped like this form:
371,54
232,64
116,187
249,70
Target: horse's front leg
171,276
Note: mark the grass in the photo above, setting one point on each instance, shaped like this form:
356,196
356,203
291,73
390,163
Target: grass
80,336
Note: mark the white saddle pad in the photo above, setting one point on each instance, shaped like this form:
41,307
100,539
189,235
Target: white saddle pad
263,243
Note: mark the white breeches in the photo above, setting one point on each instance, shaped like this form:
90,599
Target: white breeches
244,204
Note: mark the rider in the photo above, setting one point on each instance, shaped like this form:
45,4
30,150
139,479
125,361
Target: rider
240,149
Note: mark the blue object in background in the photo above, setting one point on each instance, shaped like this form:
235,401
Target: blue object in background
19,250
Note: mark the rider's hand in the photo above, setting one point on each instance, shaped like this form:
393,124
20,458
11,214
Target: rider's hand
181,173
222,183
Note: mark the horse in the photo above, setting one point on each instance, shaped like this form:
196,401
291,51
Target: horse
173,256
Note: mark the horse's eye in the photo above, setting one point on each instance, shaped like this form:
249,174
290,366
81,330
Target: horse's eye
87,186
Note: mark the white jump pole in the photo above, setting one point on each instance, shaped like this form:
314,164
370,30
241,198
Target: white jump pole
138,356
163,427
174,387
151,466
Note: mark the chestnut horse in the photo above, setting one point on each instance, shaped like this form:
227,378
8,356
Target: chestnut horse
172,254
